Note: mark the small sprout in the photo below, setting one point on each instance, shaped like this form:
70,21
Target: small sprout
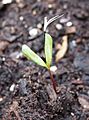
31,55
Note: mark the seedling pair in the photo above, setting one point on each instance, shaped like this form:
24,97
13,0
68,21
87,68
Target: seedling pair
31,55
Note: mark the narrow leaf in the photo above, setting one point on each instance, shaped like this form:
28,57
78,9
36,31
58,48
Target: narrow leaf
27,52
60,54
48,49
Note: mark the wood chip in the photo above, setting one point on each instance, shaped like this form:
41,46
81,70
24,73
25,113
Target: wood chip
71,30
60,54
3,45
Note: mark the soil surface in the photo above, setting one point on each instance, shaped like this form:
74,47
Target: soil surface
26,92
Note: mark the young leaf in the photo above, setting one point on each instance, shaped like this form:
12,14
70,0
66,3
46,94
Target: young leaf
48,49
27,52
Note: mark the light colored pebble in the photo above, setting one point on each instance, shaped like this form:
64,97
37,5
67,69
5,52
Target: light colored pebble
3,59
39,25
33,32
72,113
53,68
6,1
19,55
68,24
65,6
50,5
34,12
12,87
1,99
64,20
26,26
21,18
58,26
74,43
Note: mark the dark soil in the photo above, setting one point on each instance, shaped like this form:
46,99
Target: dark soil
30,98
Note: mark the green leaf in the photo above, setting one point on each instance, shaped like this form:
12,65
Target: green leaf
48,49
27,52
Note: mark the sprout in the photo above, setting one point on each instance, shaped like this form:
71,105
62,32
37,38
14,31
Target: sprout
31,55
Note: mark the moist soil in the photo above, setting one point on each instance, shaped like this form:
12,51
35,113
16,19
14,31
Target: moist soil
26,91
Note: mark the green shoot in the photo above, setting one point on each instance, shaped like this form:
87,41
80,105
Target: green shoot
31,55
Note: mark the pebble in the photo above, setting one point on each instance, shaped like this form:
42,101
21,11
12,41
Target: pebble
21,18
22,86
1,99
39,25
3,59
64,20
34,12
74,43
21,3
72,113
68,24
6,1
59,26
33,32
53,68
12,87
20,55
14,55
25,26
50,5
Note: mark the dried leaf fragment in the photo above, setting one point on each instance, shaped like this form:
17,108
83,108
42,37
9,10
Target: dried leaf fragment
60,54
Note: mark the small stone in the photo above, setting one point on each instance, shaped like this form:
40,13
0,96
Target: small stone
33,32
22,86
68,24
72,114
12,87
74,43
58,26
34,12
3,59
50,5
26,26
53,68
65,6
6,1
1,99
64,20
14,55
21,3
21,18
39,25
20,55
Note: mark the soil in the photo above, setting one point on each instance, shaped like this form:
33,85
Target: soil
26,92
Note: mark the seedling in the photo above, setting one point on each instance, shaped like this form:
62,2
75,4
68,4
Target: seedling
31,55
